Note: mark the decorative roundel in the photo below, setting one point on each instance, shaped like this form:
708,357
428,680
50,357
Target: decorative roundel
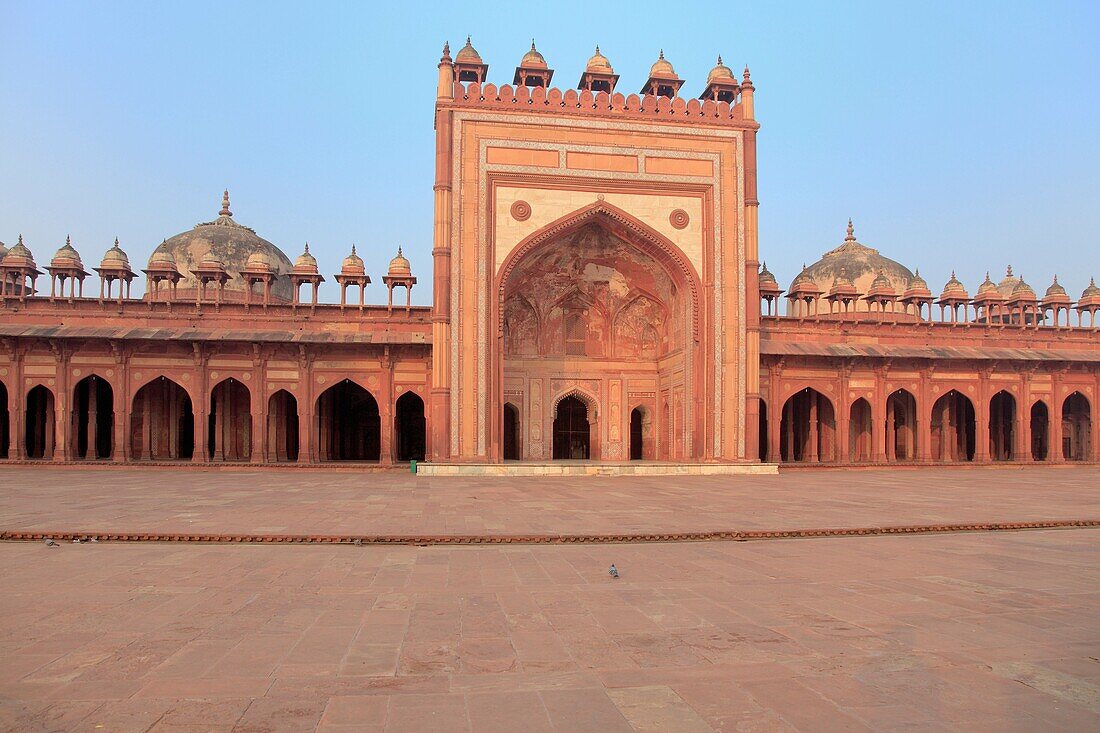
521,211
77,372
3,372
679,219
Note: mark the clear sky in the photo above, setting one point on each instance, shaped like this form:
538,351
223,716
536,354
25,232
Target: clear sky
957,135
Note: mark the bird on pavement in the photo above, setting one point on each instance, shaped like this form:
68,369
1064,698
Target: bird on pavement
51,543
613,571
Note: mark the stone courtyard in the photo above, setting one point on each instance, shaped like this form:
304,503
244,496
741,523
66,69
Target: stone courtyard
963,631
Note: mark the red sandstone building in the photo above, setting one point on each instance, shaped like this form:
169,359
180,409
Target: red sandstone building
597,295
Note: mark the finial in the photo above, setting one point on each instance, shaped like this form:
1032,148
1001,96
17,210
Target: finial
446,48
662,54
1009,271
399,253
307,248
20,240
68,241
719,59
746,74
116,241
597,48
851,231
353,249
532,44
952,274
225,205
987,274
468,41
1056,279
916,272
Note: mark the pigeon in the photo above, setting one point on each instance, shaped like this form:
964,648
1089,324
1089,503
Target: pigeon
357,543
51,543
613,571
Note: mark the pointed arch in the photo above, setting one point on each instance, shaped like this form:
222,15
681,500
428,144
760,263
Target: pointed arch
409,427
859,431
901,426
1002,426
1076,427
162,422
230,421
349,426
92,418
282,427
1040,431
953,427
808,427
38,426
5,425
622,225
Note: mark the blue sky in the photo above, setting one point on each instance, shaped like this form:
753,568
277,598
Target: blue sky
957,135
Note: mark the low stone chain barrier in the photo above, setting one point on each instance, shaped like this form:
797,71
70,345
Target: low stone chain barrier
543,539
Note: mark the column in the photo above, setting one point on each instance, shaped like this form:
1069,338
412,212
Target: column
981,419
386,410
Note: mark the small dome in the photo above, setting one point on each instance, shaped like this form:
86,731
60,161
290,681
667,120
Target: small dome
162,256
599,64
1022,288
19,256
662,68
954,289
917,284
306,263
66,256
210,260
1091,291
352,264
881,282
1055,289
257,261
766,276
804,280
988,287
399,266
467,54
1008,284
115,258
533,59
721,72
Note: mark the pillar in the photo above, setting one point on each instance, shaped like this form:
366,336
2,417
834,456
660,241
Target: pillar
981,420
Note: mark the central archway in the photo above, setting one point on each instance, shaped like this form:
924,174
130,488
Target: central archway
594,296
162,423
230,422
572,431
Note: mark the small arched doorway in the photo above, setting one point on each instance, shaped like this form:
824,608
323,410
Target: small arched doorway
637,434
1076,428
162,422
93,419
282,427
953,428
808,428
859,432
230,422
572,432
349,426
4,430
762,433
1040,431
39,424
1002,422
511,432
901,426
409,428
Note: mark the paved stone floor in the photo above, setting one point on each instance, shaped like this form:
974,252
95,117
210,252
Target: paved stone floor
975,632
980,631
319,502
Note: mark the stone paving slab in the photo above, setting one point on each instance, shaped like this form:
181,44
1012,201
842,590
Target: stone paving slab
342,503
946,632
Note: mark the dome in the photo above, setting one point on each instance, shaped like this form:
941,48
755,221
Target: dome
162,256
1055,289
467,54
352,264
766,276
954,289
211,261
804,281
1022,289
917,285
1091,291
882,283
223,240
721,73
19,256
598,64
399,266
988,288
1008,284
115,258
861,263
532,59
258,261
662,68
306,263
66,256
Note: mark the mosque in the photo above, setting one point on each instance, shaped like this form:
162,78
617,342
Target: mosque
598,298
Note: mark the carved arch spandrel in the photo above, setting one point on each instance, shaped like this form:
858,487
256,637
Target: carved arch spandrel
621,224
